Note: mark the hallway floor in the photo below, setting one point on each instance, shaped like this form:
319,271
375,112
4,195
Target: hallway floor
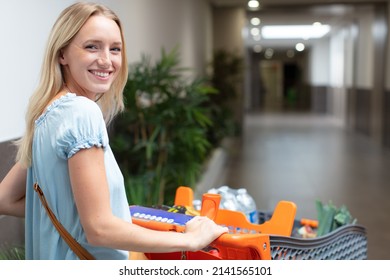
304,158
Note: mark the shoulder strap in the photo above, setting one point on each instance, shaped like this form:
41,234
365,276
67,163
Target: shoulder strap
79,250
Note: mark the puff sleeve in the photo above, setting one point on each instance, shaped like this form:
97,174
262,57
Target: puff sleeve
83,127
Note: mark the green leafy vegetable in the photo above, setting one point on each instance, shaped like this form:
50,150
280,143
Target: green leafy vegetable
330,217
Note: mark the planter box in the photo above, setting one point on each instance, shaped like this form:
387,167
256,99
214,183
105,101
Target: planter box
12,231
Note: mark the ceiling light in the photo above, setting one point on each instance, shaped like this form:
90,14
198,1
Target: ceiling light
300,47
257,48
255,31
294,31
255,21
269,53
253,4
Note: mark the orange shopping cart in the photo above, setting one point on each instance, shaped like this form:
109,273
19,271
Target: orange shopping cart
245,241
270,239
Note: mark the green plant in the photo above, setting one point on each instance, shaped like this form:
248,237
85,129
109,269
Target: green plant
160,140
12,253
226,76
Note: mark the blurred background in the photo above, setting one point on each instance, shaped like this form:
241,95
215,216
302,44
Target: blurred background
309,97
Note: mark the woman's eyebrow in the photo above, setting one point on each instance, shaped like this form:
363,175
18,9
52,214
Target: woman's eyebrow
94,41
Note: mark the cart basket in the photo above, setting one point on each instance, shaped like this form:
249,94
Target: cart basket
348,242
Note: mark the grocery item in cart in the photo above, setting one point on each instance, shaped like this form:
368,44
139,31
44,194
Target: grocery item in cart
229,199
248,205
237,200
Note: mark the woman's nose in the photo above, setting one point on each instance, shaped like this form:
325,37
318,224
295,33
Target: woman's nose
104,60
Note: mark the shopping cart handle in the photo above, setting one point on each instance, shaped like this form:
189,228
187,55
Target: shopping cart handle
250,246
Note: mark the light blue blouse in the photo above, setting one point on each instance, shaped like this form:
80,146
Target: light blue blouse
70,124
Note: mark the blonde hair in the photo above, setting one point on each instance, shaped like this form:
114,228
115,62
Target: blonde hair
68,24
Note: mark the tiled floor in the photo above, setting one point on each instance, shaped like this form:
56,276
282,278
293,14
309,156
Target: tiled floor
304,158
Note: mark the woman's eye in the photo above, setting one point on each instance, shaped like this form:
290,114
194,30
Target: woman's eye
116,49
91,47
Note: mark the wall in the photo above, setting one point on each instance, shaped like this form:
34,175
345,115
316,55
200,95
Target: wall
349,84
365,49
152,25
228,25
357,93
319,63
387,73
386,102
338,93
379,34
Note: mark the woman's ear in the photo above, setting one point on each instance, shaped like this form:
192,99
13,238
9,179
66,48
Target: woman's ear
61,58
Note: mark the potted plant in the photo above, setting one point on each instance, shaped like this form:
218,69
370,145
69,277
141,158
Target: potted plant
160,140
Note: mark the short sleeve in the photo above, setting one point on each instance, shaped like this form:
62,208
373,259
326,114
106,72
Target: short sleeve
82,127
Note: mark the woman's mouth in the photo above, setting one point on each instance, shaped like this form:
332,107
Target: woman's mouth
100,74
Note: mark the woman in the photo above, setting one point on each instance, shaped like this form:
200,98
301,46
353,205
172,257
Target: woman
66,151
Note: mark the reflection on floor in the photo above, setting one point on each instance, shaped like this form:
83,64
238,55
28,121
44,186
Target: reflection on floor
304,158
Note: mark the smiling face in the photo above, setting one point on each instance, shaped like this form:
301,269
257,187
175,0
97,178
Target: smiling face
92,60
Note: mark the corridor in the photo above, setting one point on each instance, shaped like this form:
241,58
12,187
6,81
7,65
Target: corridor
304,158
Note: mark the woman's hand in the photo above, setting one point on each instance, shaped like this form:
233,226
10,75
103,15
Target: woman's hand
201,231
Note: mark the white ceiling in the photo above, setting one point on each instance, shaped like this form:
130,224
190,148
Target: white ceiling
335,13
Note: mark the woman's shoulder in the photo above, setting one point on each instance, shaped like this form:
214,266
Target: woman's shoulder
79,104
71,106
80,111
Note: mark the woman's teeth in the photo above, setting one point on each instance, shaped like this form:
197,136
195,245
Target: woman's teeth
100,74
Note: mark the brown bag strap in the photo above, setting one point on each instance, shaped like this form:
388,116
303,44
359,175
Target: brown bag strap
79,250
